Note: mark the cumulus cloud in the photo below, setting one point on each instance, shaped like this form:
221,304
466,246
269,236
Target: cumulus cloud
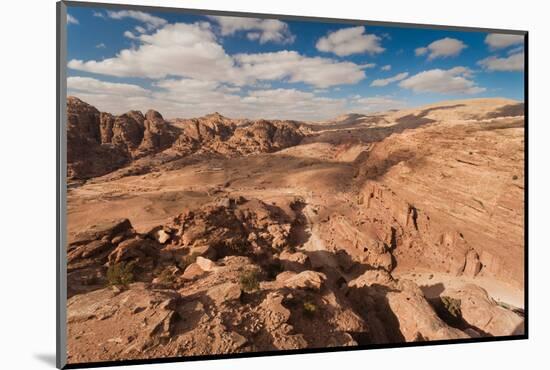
180,49
451,81
501,41
192,51
349,41
71,19
446,47
387,81
150,21
511,63
290,65
193,98
94,86
387,67
262,30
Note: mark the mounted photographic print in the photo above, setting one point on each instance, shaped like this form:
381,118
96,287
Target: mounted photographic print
235,184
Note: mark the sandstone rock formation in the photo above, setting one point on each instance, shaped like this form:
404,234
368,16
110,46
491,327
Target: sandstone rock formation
218,235
100,143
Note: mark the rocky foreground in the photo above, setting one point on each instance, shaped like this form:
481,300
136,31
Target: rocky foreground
212,235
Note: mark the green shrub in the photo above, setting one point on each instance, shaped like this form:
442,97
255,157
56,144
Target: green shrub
310,308
452,306
121,274
249,281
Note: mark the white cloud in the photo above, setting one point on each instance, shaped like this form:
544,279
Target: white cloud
150,21
98,14
263,30
387,81
192,51
91,85
290,65
100,46
514,62
451,81
71,19
387,67
140,29
446,47
193,98
500,40
130,35
349,41
188,50
377,103
420,51
515,50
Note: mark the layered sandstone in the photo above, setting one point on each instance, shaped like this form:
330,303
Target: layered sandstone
259,235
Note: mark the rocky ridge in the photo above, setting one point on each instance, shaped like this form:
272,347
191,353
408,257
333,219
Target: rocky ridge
275,231
99,143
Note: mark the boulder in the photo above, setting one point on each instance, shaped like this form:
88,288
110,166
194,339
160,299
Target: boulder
416,317
192,271
205,264
370,277
484,314
104,230
294,261
305,280
225,292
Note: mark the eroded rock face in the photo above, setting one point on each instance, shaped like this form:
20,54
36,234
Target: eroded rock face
397,310
417,319
87,156
126,322
100,143
314,238
484,314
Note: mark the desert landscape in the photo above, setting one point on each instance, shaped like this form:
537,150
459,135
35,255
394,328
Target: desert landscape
214,235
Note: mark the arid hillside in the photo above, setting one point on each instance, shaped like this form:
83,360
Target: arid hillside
215,235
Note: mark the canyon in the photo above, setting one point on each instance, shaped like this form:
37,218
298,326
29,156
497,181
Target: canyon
214,235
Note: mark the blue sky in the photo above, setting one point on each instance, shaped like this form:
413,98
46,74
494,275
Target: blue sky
185,65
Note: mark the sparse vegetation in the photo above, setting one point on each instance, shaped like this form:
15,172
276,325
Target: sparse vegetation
515,177
166,277
249,280
185,261
121,274
452,306
310,308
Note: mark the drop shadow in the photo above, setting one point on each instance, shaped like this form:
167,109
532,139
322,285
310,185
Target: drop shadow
46,358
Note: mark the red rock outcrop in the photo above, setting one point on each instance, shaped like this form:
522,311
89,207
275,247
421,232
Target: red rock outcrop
259,235
99,143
